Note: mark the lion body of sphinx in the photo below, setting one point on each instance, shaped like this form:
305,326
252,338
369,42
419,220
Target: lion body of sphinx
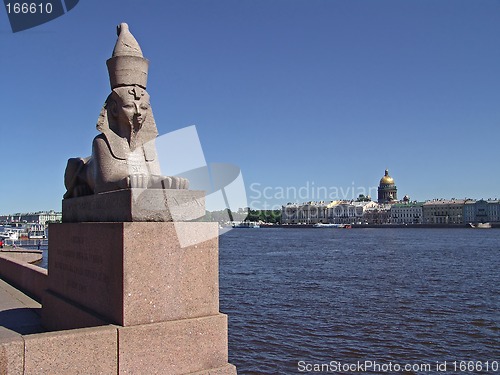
104,171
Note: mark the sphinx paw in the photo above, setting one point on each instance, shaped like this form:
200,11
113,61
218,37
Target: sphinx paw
138,181
175,183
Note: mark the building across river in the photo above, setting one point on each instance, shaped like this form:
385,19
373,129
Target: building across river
389,210
39,217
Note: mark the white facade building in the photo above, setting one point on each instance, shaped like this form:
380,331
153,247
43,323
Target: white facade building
306,213
443,211
40,217
335,212
482,211
407,213
377,214
347,212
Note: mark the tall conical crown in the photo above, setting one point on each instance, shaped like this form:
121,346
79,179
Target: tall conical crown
127,66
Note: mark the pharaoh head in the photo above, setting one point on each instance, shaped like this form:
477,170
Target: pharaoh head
129,106
127,111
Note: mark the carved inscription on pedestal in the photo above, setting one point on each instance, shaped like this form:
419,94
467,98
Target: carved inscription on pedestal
84,266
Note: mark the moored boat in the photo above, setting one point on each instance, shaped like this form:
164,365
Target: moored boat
9,235
37,231
330,225
326,225
245,224
480,225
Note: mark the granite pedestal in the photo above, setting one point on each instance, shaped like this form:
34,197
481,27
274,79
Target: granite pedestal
132,283
131,273
154,283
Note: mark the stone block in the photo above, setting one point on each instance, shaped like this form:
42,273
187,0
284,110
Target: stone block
60,314
163,281
80,351
11,352
136,273
128,205
177,347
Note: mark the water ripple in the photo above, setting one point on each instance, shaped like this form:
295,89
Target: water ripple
398,295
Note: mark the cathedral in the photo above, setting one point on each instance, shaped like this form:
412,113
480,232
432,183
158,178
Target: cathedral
387,191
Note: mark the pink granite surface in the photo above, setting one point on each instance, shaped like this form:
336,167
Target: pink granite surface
228,369
136,273
127,205
29,278
177,347
80,351
163,295
163,281
11,352
86,266
60,314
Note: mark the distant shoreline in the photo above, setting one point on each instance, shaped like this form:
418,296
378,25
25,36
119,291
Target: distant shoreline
399,226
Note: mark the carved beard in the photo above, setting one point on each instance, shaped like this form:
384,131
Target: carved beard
133,136
135,128
136,125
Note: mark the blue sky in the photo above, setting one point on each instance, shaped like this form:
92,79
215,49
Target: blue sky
296,93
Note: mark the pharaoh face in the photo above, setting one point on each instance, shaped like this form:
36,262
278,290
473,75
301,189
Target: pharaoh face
131,105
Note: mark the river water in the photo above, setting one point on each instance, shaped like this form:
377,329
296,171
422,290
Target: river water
302,298
298,299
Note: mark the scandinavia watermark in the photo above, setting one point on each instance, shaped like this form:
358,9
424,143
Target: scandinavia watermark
392,367
221,183
260,194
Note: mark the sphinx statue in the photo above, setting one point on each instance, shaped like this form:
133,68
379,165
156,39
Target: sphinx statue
124,153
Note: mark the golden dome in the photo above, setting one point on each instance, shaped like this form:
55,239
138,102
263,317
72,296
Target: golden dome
387,180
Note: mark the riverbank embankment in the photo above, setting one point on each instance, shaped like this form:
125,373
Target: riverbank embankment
22,255
382,226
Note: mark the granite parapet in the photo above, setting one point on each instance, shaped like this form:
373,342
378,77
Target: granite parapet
79,351
11,352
